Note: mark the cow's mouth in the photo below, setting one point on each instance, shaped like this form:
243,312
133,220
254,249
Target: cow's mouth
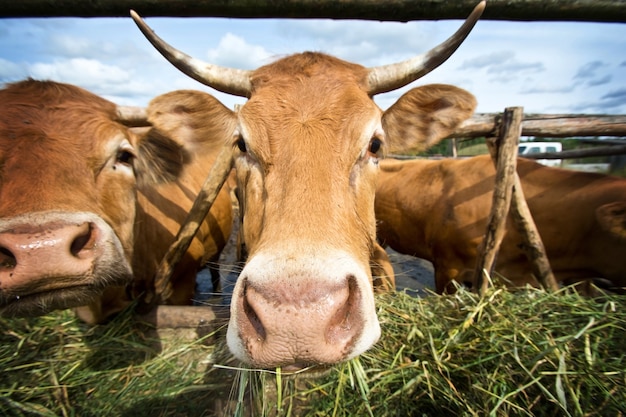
37,304
305,370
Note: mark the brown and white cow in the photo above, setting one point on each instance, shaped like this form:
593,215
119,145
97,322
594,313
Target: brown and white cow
307,145
89,206
438,210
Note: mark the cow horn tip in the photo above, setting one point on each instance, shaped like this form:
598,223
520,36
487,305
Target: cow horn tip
480,7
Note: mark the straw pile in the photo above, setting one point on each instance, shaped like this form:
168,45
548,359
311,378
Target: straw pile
527,353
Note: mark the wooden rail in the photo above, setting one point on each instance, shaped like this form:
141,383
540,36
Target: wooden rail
389,10
547,125
485,124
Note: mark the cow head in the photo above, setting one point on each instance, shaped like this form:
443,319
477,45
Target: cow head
73,182
66,182
306,145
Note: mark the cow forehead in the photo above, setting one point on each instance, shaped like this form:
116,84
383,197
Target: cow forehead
310,112
307,86
72,146
57,117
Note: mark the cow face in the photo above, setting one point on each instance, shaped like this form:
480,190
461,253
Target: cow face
84,199
307,175
66,182
306,150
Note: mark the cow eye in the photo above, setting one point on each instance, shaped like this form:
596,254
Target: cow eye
241,144
375,145
125,157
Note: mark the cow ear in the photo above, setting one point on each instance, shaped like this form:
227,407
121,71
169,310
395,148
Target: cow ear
425,115
192,118
159,159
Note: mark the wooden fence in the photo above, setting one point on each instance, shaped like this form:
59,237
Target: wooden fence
389,10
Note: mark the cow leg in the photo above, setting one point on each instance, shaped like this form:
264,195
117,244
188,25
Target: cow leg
448,279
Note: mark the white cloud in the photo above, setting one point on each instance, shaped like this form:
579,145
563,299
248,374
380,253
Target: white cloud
80,71
365,42
70,45
234,51
613,102
549,88
600,81
513,66
502,67
487,60
590,69
10,71
615,98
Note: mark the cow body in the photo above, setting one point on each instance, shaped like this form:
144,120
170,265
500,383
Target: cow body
580,217
89,206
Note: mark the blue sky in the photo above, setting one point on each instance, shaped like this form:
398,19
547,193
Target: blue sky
546,67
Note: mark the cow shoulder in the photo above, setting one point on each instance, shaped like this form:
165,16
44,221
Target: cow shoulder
185,124
425,115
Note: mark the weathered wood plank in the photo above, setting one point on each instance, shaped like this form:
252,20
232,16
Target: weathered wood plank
505,145
176,317
523,220
485,124
533,246
581,153
389,10
547,125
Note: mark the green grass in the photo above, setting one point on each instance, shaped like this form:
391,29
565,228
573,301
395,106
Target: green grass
525,353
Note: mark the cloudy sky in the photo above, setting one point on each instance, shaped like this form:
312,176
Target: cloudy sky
544,67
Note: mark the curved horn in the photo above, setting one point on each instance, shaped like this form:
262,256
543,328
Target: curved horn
227,80
390,77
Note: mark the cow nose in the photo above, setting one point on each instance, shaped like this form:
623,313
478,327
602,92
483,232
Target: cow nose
32,255
299,322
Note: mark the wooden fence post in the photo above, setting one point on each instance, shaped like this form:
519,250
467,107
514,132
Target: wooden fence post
522,218
532,243
201,206
508,140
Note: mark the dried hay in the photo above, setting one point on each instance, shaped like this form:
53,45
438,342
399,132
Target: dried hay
525,353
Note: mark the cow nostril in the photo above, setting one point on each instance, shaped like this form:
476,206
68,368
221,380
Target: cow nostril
7,259
344,323
252,317
84,241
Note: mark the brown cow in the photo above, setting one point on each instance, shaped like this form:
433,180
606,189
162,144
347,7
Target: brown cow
85,200
438,210
307,146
